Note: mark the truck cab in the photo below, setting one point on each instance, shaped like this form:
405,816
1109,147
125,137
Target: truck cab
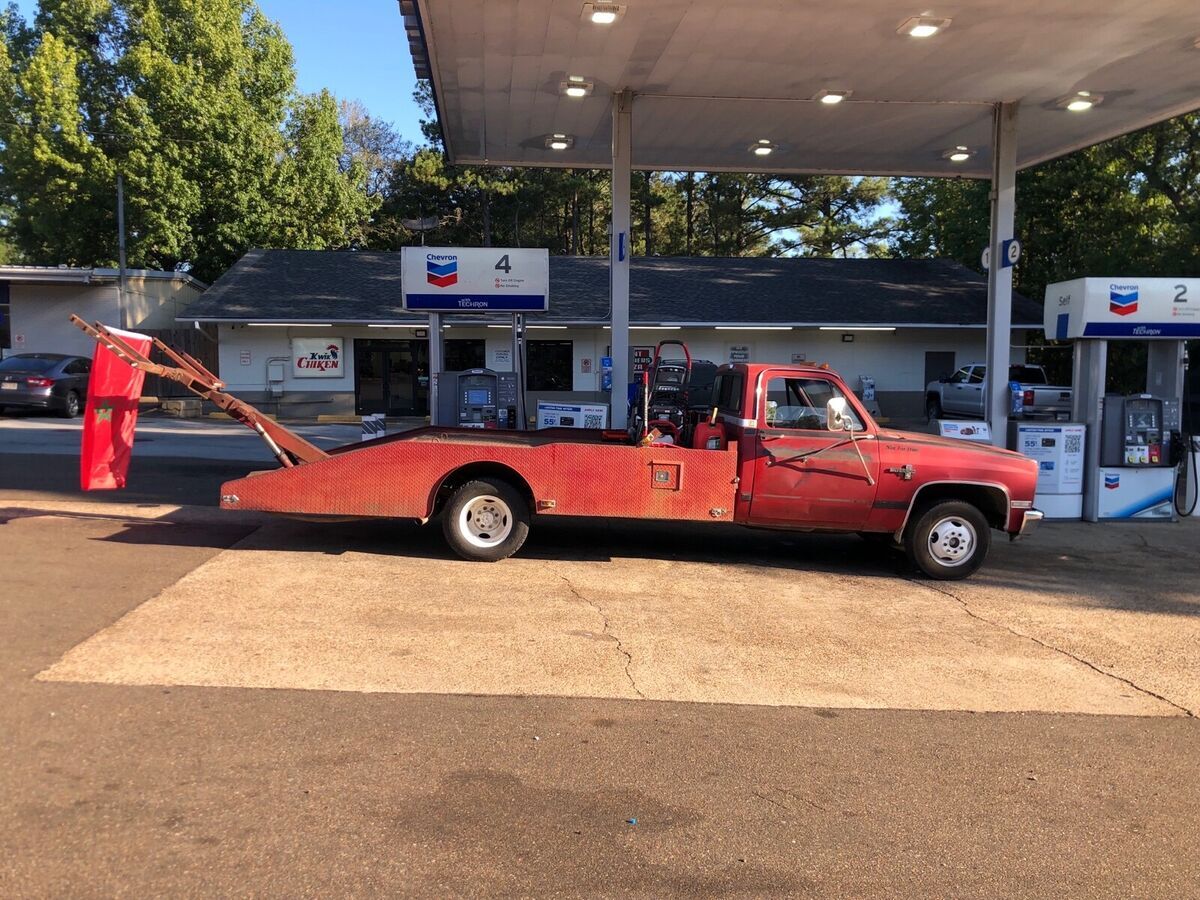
810,457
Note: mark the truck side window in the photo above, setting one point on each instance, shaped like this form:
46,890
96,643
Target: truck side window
962,376
800,403
977,375
727,393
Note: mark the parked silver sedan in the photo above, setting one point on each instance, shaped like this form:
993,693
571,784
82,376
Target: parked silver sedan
50,381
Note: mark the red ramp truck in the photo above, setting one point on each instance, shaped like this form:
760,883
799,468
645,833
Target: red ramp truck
800,454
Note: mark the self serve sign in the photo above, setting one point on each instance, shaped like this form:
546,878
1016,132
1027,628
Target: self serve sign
1136,308
475,279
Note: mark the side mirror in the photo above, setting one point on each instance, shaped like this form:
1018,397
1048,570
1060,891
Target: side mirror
836,418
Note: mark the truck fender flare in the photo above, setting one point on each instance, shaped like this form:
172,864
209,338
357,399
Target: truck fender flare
990,486
473,470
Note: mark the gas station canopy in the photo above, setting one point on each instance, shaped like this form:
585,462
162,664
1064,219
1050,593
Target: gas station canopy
739,86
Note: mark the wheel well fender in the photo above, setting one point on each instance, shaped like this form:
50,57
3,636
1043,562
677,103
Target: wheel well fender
476,470
990,499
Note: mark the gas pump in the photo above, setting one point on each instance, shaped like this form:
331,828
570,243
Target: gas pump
1133,447
477,398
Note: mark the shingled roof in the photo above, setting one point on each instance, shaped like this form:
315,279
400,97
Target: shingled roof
364,287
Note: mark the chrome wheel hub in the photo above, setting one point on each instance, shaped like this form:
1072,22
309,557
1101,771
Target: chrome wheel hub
952,541
486,521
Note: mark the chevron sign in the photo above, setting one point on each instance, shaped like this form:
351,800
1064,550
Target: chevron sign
441,271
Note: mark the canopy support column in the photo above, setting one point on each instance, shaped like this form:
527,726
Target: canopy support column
1000,275
618,252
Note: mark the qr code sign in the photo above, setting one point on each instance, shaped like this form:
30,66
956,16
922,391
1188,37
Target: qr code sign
1073,443
592,420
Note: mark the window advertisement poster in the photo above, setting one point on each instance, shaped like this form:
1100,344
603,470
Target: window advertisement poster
640,359
318,357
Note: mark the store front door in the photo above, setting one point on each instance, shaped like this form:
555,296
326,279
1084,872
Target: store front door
391,377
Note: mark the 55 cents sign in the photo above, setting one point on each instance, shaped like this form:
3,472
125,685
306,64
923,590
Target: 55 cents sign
475,279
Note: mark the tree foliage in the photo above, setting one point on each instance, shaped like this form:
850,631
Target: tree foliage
194,103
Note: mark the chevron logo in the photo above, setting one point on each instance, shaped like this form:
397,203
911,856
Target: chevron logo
1112,481
1122,299
442,274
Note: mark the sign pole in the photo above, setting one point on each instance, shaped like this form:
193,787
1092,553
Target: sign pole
1000,276
618,253
519,368
435,364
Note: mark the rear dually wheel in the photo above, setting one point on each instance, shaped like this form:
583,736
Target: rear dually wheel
486,520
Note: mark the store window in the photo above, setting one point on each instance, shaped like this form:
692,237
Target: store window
549,365
5,325
463,353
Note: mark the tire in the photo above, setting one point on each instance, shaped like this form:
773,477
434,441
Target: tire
486,520
933,409
948,541
70,405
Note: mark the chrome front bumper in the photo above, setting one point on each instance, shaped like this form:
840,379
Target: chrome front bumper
1032,519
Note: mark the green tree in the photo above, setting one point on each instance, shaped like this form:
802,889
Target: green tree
1128,206
193,102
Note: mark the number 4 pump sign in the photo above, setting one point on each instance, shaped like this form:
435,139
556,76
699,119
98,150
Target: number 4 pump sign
475,279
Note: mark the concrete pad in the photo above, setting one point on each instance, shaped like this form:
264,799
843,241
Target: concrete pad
288,608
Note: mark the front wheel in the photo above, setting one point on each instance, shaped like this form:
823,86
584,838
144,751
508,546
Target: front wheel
933,409
486,520
948,541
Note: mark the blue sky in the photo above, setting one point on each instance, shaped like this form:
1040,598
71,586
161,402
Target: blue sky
356,48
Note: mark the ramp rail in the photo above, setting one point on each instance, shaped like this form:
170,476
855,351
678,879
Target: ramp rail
287,446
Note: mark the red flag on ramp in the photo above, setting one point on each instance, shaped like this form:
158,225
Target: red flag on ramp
112,407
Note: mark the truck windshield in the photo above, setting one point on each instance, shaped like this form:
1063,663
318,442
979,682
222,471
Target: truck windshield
800,403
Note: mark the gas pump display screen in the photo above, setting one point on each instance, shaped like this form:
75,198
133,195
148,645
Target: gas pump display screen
477,398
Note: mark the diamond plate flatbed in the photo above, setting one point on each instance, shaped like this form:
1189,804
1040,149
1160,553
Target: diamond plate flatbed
566,472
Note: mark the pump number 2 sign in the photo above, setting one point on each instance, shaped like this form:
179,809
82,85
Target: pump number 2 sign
475,279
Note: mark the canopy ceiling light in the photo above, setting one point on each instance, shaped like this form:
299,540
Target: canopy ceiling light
288,324
922,26
752,327
576,86
830,98
857,328
602,12
559,142
762,147
958,154
1080,101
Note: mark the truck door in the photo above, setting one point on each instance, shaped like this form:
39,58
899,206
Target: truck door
805,474
954,392
973,392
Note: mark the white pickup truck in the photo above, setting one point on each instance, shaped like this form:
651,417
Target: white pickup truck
964,394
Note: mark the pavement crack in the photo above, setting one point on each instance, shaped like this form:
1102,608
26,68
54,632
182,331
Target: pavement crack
608,631
1052,647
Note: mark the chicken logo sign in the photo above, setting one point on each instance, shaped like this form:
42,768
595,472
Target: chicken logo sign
1122,299
317,358
441,271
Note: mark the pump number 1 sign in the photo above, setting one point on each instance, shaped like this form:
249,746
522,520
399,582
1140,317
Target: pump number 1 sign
475,279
